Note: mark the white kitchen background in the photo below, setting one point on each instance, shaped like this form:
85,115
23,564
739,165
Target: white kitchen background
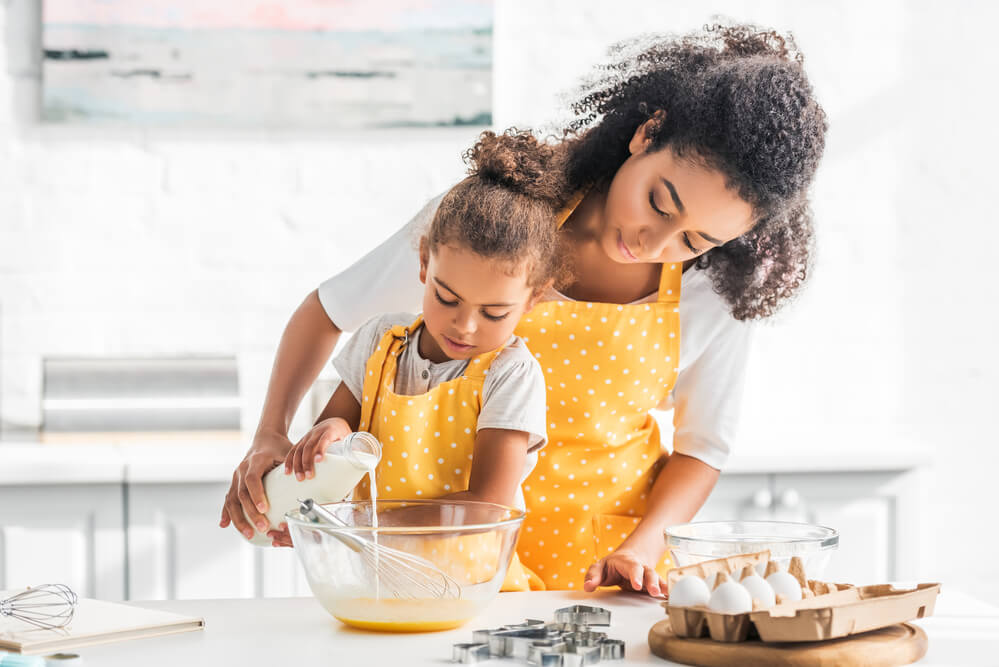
870,402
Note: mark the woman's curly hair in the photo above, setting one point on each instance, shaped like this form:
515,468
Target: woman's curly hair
734,98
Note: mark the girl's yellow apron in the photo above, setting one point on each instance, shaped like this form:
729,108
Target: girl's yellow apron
427,444
606,366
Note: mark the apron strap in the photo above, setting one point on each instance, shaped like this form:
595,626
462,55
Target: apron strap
670,277
478,367
570,206
380,369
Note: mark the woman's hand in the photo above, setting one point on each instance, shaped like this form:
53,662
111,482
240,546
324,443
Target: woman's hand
628,568
311,449
246,502
280,537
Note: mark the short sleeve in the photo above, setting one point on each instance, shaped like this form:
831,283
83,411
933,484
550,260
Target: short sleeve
707,397
386,280
351,361
513,395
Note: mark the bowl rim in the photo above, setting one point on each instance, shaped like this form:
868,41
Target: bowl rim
828,541
517,517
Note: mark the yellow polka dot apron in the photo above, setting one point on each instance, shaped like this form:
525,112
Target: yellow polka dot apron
606,366
427,444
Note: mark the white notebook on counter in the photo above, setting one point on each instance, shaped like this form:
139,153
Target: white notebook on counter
94,622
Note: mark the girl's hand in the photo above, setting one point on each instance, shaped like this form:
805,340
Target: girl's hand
626,568
311,449
246,502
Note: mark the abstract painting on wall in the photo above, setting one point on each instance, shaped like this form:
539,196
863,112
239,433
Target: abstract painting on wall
324,64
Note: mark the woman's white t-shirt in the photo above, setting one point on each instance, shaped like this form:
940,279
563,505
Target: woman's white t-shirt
714,346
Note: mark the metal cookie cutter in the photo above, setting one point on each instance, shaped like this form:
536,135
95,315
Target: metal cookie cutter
568,642
611,649
582,614
564,655
584,638
545,646
481,636
469,654
515,643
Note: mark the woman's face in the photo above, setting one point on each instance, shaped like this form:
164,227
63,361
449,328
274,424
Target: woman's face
471,304
661,208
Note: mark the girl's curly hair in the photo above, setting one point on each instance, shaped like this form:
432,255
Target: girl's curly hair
734,98
505,209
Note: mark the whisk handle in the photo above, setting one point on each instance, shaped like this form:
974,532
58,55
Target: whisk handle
319,514
309,507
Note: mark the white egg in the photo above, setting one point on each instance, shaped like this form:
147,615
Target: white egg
689,591
760,590
730,598
786,585
761,568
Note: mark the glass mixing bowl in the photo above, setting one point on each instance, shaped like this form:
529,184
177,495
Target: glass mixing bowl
390,578
691,543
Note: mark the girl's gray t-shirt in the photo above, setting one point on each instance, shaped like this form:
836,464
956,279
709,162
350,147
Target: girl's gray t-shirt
513,393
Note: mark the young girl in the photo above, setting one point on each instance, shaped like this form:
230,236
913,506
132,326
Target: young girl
456,399
685,180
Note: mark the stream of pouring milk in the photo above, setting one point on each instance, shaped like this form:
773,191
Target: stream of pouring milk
374,525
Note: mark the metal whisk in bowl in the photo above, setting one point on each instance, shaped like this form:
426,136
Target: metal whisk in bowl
49,606
400,574
405,565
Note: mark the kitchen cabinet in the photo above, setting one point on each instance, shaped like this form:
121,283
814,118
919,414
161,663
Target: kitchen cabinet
877,516
176,549
67,533
280,574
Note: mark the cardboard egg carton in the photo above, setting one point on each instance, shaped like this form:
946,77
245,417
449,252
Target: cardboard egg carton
845,612
826,610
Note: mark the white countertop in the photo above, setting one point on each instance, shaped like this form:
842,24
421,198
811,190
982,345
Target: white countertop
180,459
297,631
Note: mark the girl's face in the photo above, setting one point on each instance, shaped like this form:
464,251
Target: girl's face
660,208
471,304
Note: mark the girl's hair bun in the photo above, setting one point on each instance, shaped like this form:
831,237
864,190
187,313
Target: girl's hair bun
506,208
517,160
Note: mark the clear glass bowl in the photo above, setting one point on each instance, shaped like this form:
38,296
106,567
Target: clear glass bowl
470,542
691,543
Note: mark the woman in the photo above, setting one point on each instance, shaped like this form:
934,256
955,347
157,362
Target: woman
684,177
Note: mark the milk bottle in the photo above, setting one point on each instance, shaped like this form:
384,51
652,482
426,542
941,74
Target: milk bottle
345,462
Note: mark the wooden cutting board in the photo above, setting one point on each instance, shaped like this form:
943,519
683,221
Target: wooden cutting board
900,644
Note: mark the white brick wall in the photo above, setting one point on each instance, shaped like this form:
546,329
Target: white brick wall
174,242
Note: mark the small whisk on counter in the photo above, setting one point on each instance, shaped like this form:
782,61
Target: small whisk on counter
405,576
48,607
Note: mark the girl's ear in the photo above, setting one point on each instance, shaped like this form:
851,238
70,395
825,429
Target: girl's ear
424,259
642,137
